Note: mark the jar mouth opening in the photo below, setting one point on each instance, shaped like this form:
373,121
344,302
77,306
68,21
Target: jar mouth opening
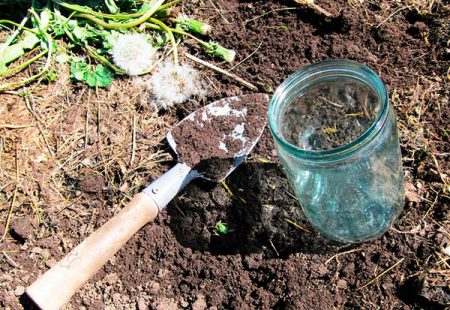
319,71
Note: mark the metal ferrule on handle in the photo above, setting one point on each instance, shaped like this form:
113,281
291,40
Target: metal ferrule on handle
170,184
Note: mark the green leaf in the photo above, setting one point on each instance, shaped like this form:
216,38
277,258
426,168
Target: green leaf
101,77
78,70
29,41
11,53
94,76
222,228
161,39
109,40
62,58
2,68
45,19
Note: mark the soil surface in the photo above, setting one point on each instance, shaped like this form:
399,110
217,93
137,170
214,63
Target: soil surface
270,258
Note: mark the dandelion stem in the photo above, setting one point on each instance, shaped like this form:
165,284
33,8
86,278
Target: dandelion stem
19,26
102,59
171,37
178,31
82,9
115,26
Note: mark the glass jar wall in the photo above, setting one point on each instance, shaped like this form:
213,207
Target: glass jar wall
336,136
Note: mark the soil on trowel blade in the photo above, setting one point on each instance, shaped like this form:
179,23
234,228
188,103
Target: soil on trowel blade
214,138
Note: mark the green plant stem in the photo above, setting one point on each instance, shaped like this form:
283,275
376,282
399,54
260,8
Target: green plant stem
130,24
13,35
49,41
171,37
178,31
115,26
184,33
24,65
102,59
19,26
81,9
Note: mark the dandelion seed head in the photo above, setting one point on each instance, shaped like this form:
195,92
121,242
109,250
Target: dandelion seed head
174,84
133,53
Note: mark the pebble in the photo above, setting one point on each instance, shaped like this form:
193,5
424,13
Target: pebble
19,290
111,278
5,277
322,270
153,287
446,251
117,298
184,303
50,262
36,250
342,284
141,304
200,303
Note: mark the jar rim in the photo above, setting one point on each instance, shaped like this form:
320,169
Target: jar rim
345,68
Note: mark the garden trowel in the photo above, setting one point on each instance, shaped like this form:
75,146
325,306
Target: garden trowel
238,123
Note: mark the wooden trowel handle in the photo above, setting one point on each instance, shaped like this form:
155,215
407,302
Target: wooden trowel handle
54,288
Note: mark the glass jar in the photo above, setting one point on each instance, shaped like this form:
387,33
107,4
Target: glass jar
336,137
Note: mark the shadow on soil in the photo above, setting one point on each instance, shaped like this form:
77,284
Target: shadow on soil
259,210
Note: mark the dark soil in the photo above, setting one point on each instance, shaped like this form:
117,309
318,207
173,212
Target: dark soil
330,114
271,258
212,139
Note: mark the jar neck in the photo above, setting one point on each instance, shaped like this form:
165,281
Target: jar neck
309,75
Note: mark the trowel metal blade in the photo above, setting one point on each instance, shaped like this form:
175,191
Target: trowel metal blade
237,140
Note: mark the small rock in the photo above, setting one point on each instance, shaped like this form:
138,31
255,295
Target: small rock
411,193
322,270
5,278
112,261
142,305
200,303
162,273
349,269
21,229
153,287
97,305
117,298
91,182
111,278
50,262
184,303
435,294
19,290
124,187
342,284
36,250
165,304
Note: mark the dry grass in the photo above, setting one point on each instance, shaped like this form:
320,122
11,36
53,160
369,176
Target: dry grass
52,135
421,6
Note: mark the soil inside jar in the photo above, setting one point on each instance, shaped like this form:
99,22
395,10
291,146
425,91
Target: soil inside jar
330,114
